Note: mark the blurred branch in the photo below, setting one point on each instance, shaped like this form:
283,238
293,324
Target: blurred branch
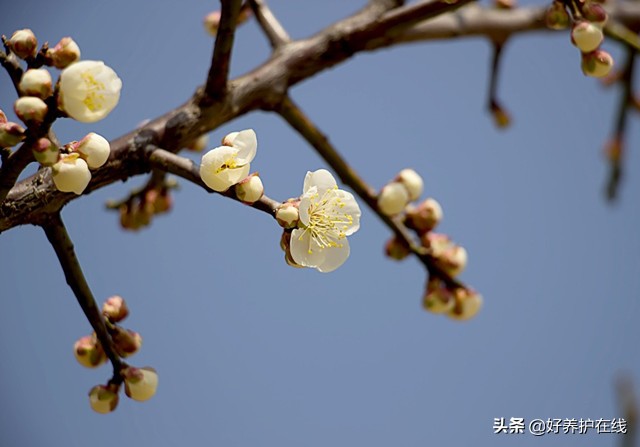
216,85
272,28
188,170
61,242
500,115
296,118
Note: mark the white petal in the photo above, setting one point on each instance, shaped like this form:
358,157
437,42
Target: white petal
322,179
303,208
247,143
350,208
334,257
304,250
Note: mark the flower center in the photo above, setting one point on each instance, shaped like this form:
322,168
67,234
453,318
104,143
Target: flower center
94,98
327,221
229,163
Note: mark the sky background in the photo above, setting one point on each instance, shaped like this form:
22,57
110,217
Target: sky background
251,352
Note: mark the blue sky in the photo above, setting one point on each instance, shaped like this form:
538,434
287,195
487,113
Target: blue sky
252,352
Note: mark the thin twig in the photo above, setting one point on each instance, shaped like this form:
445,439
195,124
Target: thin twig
61,243
216,85
14,165
13,68
188,170
296,118
272,28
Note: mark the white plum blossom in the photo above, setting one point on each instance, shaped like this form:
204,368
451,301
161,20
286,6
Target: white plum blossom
71,174
327,216
89,90
227,165
94,148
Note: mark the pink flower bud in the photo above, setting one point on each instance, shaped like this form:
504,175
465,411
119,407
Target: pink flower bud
437,298
89,352
126,342
586,36
594,13
212,22
36,82
23,43
467,304
103,398
140,383
64,53
425,216
396,249
597,64
556,16
11,134
30,109
115,309
45,152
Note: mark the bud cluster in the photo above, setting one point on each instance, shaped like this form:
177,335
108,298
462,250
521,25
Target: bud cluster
138,211
140,383
586,19
458,303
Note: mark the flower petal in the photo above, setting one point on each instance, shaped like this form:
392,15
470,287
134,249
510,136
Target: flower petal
305,203
247,143
334,257
322,179
350,208
304,250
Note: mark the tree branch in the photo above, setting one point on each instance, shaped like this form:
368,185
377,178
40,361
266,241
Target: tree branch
216,85
188,170
272,28
61,243
13,166
292,114
12,67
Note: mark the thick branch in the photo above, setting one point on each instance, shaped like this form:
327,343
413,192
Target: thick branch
188,170
13,68
272,28
61,243
12,167
308,130
219,71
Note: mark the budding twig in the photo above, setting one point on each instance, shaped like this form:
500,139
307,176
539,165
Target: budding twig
63,246
216,85
272,28
12,66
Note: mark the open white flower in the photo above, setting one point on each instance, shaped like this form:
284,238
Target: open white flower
327,216
225,166
89,90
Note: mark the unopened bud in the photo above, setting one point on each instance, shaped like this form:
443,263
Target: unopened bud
160,201
94,149
467,304
64,53
212,22
126,342
71,174
285,241
397,249
115,309
200,143
556,16
501,117
586,36
23,43
45,152
393,198
36,82
597,64
412,181
89,352
30,109
103,398
425,216
453,260
437,298
11,134
505,4
140,383
288,215
594,13
3,117
250,189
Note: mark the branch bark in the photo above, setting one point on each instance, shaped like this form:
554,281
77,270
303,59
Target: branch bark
272,28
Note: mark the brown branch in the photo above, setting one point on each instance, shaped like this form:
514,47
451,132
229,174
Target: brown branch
272,28
296,118
13,166
13,68
216,85
33,199
188,170
61,243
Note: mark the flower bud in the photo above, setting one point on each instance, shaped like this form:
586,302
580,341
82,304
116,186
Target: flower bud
36,82
437,298
586,36
396,249
424,217
556,16
11,134
126,342
71,174
200,143
140,383
412,181
45,152
160,201
288,215
285,240
3,117
30,109
501,117
89,352
23,43
94,149
115,309
467,304
212,22
103,398
505,4
453,260
595,14
64,53
393,198
250,189
597,64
